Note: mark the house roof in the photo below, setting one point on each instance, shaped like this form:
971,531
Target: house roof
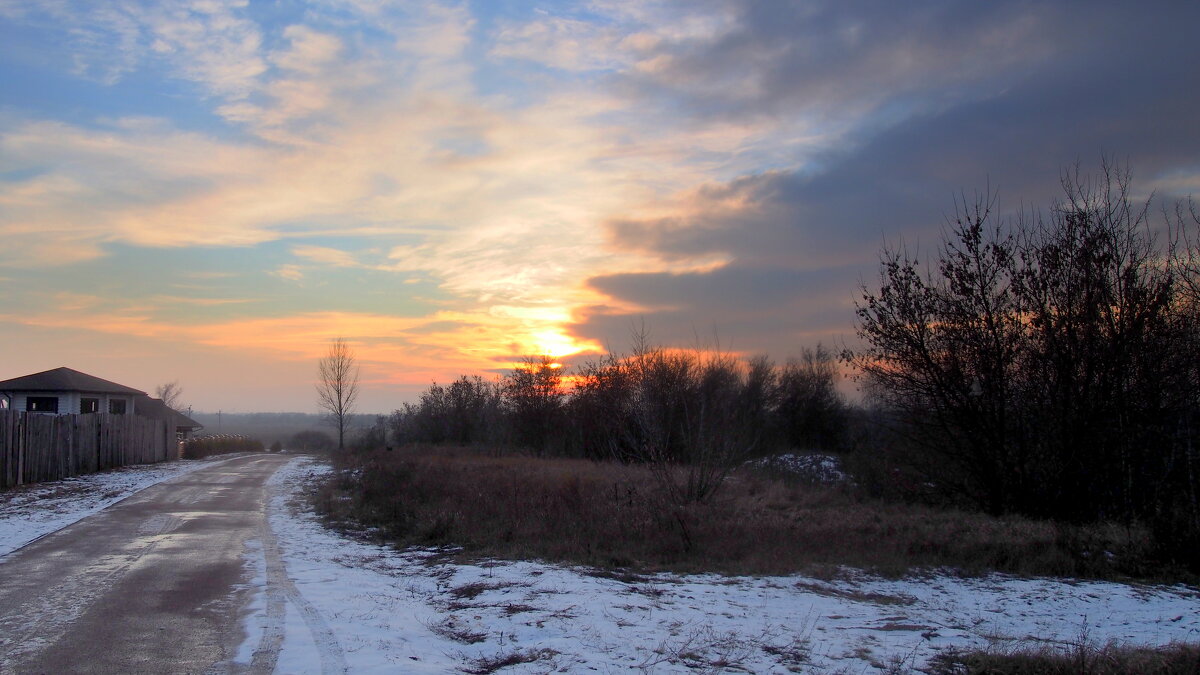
66,379
154,407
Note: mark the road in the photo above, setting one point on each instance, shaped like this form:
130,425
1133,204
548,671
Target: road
156,583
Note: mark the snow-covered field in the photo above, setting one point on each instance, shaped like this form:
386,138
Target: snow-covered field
326,603
30,512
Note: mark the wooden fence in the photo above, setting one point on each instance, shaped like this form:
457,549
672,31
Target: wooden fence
37,447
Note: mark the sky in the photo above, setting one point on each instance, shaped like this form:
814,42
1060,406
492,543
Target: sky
209,191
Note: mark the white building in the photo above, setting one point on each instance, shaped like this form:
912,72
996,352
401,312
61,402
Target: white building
64,391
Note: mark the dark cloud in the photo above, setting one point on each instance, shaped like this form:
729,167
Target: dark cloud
760,310
827,57
725,290
1087,79
1138,102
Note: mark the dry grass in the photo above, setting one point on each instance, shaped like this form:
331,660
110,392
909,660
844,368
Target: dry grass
450,629
614,516
1080,659
485,665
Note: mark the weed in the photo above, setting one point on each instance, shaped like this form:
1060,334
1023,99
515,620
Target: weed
857,596
485,665
450,629
701,649
475,588
511,608
792,654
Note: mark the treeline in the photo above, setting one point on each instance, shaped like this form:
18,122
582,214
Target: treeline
269,427
698,408
1048,364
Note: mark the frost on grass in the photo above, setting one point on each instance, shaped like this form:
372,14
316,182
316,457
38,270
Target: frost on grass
414,611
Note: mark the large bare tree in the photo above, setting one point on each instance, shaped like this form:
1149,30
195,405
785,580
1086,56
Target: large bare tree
337,386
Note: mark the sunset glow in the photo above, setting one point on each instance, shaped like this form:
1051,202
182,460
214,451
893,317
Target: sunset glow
210,191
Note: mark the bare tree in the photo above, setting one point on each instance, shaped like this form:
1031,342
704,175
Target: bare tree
1043,366
812,413
170,394
535,401
337,387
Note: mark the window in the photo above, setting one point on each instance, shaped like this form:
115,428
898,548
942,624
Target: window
89,405
116,406
41,404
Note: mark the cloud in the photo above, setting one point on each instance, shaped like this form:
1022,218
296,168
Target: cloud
812,230
904,178
842,60
570,44
560,174
390,347
289,272
325,256
201,302
749,309
209,42
309,51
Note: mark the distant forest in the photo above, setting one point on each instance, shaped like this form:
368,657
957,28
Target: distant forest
271,428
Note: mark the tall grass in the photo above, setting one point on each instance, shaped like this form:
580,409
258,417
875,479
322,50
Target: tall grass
615,515
1081,658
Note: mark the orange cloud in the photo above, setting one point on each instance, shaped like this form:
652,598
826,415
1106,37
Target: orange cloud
397,349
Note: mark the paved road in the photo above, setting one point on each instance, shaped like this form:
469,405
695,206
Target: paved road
153,584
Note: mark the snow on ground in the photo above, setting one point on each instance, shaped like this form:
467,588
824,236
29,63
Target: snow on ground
817,467
32,511
390,611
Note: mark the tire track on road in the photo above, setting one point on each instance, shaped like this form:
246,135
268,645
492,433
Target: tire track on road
279,591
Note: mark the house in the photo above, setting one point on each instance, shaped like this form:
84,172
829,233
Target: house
64,391
154,408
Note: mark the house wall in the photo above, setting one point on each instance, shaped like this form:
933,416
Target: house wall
69,401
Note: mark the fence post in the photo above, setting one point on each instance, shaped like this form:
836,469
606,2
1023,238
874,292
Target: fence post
21,448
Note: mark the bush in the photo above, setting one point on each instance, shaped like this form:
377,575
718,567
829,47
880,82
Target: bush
1049,366
204,446
312,440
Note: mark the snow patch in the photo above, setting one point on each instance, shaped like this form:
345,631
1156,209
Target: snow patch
819,468
410,611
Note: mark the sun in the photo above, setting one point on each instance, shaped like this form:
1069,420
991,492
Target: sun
554,343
